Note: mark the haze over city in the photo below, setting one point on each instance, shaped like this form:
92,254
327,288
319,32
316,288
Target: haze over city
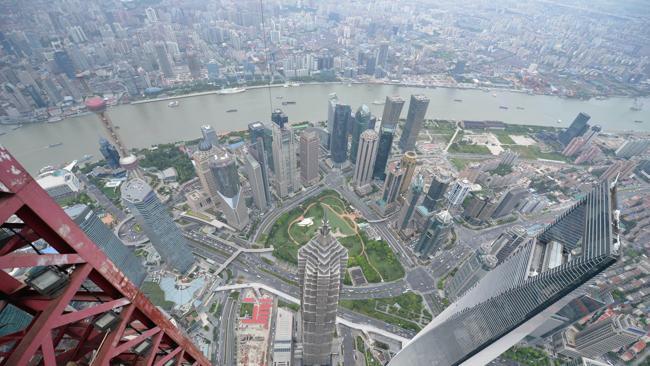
324,183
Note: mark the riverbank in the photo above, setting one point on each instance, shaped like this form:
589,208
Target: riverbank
146,124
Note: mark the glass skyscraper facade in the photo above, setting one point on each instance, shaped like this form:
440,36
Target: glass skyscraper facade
361,123
578,127
157,223
115,250
537,279
386,134
339,137
414,120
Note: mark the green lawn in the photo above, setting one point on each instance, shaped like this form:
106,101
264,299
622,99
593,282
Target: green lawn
169,155
156,295
246,310
465,148
380,256
534,152
459,163
504,137
527,356
403,310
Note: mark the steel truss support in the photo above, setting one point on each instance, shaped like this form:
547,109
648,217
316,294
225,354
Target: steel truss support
62,325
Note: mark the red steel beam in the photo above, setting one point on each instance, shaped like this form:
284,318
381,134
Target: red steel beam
43,218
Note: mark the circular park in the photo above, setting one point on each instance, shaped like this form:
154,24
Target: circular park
370,259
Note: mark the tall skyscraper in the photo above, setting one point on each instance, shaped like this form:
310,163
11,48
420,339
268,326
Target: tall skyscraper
414,119
309,148
436,236
157,223
210,135
632,148
202,158
471,271
408,162
213,70
164,62
360,123
608,335
119,254
509,201
393,182
224,170
332,101
578,127
279,118
392,110
365,160
256,180
64,63
321,266
386,134
339,135
458,191
261,138
415,192
110,153
521,293
284,158
436,192
194,65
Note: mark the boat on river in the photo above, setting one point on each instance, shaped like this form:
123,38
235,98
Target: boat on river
231,91
231,110
173,104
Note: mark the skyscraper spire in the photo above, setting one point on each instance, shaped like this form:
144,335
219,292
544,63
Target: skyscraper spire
325,229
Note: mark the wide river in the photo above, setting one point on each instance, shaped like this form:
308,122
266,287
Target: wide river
146,124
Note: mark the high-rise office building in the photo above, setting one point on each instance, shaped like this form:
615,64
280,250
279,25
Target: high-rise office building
608,335
437,190
164,61
471,271
339,135
309,148
386,134
414,120
213,70
360,123
194,65
508,241
408,162
110,153
479,207
436,236
632,148
392,110
279,118
458,191
64,63
365,159
321,266
393,182
224,170
210,135
261,143
414,194
509,201
157,223
332,101
577,128
256,180
284,158
202,158
508,157
521,293
115,250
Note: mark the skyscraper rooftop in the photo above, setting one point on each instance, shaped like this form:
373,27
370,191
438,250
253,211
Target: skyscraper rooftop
536,280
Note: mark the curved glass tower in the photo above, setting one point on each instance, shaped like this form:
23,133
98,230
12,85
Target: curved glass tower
536,280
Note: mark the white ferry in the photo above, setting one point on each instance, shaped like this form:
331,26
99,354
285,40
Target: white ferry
232,90
173,104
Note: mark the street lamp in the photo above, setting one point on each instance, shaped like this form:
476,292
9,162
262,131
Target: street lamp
142,348
48,281
106,321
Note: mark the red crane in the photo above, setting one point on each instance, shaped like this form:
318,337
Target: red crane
84,310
